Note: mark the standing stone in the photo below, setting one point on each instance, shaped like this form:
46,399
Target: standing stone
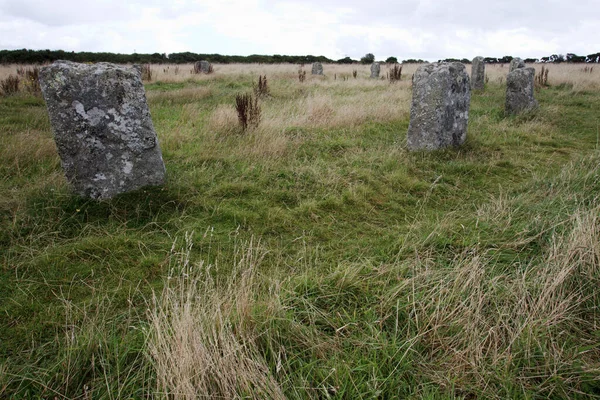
440,106
478,74
202,66
375,70
102,127
516,63
519,91
317,68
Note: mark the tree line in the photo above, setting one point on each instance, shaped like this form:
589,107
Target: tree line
554,58
25,56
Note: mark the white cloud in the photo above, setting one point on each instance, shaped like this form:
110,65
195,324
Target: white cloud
428,29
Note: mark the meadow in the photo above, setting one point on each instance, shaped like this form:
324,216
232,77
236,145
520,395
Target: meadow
313,256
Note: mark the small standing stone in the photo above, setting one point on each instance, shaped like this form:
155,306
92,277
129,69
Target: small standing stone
440,106
202,67
516,63
478,74
102,127
519,91
317,68
375,70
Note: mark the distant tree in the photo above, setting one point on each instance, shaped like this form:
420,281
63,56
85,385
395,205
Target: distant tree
369,58
391,60
531,60
593,58
345,60
574,58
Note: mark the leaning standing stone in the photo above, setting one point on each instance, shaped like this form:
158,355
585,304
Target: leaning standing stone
317,68
516,63
375,70
477,74
440,107
519,91
102,127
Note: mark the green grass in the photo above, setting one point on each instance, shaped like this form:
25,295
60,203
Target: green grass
359,240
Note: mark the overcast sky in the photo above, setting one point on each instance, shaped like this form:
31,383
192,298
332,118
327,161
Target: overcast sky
427,29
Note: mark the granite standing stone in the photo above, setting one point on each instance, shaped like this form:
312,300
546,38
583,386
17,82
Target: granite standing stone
375,70
478,74
519,91
202,66
102,127
516,63
440,107
205,66
317,68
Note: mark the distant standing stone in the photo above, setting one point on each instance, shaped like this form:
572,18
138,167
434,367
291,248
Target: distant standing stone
519,91
440,107
317,68
102,127
477,74
516,63
202,66
375,70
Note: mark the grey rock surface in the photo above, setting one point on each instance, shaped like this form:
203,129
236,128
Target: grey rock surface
205,66
439,113
202,67
375,70
102,127
317,69
516,63
478,74
519,91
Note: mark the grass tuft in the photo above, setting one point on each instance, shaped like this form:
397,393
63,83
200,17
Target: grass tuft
9,85
203,337
248,111
147,73
395,73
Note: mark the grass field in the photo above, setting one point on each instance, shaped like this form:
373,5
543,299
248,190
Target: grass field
312,257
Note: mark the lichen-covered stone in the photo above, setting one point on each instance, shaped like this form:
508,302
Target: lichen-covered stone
478,74
375,70
317,69
102,127
519,91
516,63
440,107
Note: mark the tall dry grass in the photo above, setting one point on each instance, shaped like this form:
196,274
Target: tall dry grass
319,103
202,341
473,322
564,73
166,73
559,74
